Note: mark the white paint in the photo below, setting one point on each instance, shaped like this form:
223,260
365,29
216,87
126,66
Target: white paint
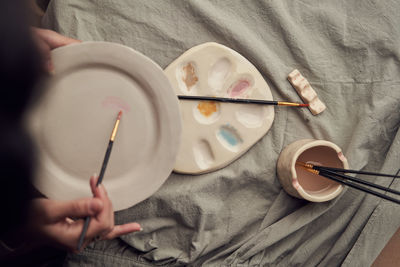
250,116
218,73
203,154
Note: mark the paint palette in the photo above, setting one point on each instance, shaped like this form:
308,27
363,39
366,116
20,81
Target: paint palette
215,134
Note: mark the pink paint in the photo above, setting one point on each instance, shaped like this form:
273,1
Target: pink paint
296,184
239,88
115,103
341,157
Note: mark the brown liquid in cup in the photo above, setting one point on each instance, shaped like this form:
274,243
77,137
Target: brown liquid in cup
322,156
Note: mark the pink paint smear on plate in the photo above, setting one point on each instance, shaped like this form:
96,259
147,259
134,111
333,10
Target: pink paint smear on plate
115,103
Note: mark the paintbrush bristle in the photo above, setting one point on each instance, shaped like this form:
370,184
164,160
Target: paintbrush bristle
119,115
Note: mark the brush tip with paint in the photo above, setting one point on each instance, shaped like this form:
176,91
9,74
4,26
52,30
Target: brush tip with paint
119,115
290,104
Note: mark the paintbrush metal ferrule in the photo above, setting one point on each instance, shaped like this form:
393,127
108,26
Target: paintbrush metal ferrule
114,132
290,104
307,165
310,170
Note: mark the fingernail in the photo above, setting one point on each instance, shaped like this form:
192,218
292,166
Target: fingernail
93,178
141,229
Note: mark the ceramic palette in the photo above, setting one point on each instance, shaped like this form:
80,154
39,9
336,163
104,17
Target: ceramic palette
215,134
72,123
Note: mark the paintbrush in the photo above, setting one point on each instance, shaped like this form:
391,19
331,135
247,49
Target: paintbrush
337,174
242,101
346,170
102,171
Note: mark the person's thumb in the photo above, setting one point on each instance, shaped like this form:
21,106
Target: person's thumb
75,209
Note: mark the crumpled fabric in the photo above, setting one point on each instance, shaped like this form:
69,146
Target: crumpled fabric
240,215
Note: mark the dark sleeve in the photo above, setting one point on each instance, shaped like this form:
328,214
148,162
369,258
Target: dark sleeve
20,68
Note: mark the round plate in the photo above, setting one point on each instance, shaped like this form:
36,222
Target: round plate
72,124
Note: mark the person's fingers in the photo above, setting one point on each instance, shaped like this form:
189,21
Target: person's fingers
99,228
107,213
58,210
101,192
118,230
44,50
65,235
103,222
106,216
98,191
92,182
47,40
54,39
85,243
123,229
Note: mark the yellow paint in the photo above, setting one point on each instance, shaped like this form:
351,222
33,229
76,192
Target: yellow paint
207,108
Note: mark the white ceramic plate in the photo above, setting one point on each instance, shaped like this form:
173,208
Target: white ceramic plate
73,121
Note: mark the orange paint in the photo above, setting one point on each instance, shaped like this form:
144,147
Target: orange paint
207,108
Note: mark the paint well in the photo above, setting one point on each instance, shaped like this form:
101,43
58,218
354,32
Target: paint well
186,76
239,88
229,137
189,75
218,73
203,155
206,112
207,108
251,116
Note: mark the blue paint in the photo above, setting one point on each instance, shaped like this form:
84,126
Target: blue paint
229,136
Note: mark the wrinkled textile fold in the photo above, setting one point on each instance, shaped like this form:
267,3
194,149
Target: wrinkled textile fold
240,215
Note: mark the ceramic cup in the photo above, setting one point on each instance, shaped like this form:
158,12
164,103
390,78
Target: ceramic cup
300,183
